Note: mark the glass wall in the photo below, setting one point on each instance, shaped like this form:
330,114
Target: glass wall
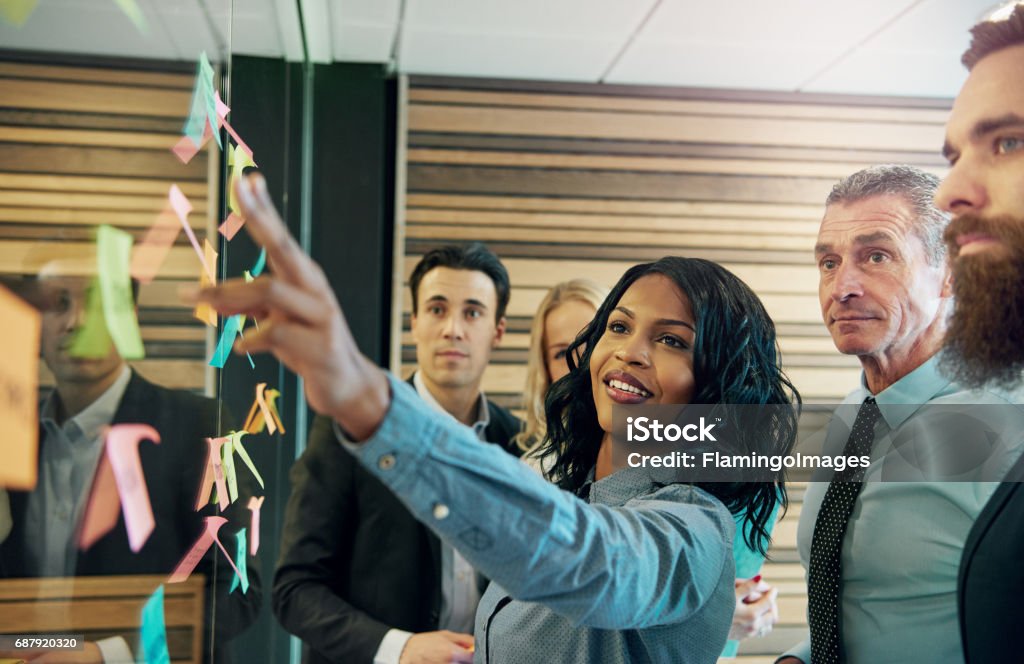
140,518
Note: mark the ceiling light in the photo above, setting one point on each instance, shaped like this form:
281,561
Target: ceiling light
1000,12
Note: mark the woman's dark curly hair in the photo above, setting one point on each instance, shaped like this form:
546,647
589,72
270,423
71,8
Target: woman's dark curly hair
735,361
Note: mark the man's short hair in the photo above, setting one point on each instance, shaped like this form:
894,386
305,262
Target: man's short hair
475,256
990,36
915,186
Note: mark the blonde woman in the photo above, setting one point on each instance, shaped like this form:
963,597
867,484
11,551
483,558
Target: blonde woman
563,313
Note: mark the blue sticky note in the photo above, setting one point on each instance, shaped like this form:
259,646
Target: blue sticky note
154,632
261,262
227,340
240,564
204,104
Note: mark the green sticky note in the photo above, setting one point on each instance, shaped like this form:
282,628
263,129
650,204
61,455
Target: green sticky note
132,11
243,573
114,259
16,12
92,339
203,111
236,438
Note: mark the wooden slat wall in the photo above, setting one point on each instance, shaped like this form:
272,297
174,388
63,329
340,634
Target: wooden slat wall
82,146
565,181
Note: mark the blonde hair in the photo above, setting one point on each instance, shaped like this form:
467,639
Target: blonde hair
537,380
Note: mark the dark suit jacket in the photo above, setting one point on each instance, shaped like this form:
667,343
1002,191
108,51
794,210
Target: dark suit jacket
354,562
173,470
990,587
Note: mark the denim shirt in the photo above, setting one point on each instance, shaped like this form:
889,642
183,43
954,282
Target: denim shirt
639,572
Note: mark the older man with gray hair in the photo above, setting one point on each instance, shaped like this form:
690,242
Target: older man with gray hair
882,557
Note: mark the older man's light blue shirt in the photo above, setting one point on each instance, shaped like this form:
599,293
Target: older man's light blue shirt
901,552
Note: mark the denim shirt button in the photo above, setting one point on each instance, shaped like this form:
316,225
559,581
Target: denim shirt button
441,511
386,462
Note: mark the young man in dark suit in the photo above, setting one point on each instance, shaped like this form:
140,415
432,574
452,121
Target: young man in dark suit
360,580
984,191
91,394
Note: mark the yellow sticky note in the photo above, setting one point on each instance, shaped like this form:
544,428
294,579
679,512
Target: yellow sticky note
19,376
239,161
114,258
204,311
132,11
16,12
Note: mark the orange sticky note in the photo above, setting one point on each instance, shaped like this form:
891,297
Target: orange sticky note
204,311
263,413
123,451
214,473
19,390
103,507
199,549
231,226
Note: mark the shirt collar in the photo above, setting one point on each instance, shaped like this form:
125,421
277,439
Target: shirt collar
902,399
96,415
483,414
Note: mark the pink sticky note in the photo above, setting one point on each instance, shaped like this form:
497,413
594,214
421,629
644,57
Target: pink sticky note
185,149
222,108
222,112
149,255
102,510
182,207
123,451
214,472
254,528
231,226
199,549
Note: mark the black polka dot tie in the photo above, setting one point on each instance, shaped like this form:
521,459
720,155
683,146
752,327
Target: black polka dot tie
824,579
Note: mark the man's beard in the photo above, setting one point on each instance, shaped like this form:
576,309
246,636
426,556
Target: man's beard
985,339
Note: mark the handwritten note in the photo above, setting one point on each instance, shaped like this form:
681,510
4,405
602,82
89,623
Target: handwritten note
114,253
242,578
154,629
199,549
254,527
123,450
19,384
150,254
213,474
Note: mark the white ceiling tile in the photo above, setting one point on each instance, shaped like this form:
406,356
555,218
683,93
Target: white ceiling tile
192,31
95,27
505,56
592,18
363,42
918,55
377,12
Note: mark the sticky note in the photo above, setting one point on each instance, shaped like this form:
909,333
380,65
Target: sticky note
254,506
261,262
114,255
240,555
123,451
19,385
92,339
227,452
241,325
227,340
181,206
132,11
102,508
202,545
150,254
231,226
185,149
238,448
239,161
204,311
16,12
213,473
203,111
154,630
222,112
